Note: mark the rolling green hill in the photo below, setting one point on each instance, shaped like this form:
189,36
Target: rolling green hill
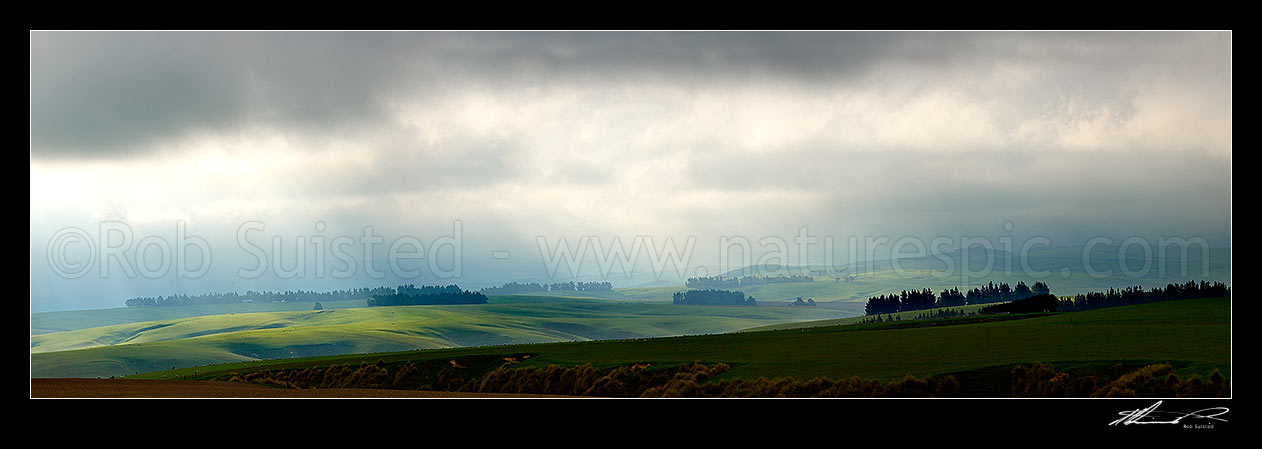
120,341
48,322
146,346
1193,335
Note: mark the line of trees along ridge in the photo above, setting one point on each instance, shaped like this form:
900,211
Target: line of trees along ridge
290,296
710,297
1041,297
257,296
720,282
533,287
409,295
1137,295
910,300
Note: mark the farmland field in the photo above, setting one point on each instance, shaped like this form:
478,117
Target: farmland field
123,341
48,322
129,348
1192,335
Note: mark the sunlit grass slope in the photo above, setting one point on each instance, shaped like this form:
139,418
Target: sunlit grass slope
1194,335
146,346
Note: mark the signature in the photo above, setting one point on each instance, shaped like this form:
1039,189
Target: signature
1151,415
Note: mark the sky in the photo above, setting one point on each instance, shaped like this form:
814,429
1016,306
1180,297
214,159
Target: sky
148,147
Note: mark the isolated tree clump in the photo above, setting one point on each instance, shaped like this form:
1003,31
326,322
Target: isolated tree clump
711,297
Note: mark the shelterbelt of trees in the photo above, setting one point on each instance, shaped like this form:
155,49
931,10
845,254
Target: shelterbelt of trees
257,296
711,297
532,287
311,296
910,300
428,296
1137,295
1039,298
721,282
1033,304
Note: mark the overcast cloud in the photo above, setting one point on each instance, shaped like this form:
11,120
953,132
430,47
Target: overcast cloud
1067,135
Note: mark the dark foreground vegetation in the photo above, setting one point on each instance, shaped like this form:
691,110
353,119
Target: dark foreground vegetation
1152,381
700,380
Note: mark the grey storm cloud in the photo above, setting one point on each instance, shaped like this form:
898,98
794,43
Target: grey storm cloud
106,93
97,93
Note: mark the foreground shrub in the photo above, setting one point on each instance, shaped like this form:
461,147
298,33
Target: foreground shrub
1159,380
702,380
